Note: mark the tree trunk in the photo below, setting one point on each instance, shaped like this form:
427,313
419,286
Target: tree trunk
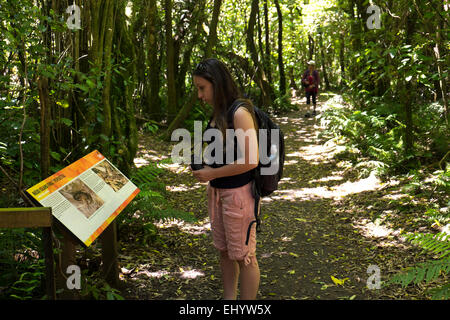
260,42
95,58
324,68
443,80
342,57
280,50
183,113
267,60
125,127
355,35
196,25
212,38
311,46
266,90
153,107
109,13
408,92
44,100
170,53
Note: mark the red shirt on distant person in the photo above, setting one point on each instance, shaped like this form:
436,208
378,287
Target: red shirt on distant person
312,81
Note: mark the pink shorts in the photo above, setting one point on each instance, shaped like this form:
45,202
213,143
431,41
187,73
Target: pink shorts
231,211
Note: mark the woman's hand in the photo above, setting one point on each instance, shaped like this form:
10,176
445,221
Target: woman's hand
204,175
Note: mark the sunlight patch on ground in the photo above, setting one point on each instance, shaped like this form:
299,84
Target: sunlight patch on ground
174,167
189,273
283,120
373,230
337,192
302,132
290,162
386,236
298,122
294,154
182,187
396,196
146,156
156,274
313,153
201,227
326,179
286,181
140,162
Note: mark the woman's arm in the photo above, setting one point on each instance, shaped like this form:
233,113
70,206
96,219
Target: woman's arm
247,144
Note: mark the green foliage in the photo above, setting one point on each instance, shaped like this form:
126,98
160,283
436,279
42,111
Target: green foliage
437,245
151,127
372,134
426,272
21,263
150,205
95,287
377,134
283,104
431,270
28,283
197,114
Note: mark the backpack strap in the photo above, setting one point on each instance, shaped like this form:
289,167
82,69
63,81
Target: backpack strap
230,113
255,190
257,197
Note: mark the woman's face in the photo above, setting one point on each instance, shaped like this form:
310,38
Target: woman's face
205,90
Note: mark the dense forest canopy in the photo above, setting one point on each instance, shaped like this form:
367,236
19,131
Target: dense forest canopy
76,76
83,77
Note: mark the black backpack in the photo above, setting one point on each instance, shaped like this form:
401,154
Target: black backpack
264,184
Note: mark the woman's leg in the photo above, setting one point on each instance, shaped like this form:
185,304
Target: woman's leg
230,276
250,277
314,96
239,259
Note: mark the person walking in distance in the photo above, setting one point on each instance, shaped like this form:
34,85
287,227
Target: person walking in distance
231,203
310,81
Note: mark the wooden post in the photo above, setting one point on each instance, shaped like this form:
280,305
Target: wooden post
49,263
65,259
109,255
35,218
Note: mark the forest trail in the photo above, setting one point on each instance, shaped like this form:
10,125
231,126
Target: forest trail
320,231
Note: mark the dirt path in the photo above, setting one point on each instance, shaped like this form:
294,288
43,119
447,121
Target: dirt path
322,223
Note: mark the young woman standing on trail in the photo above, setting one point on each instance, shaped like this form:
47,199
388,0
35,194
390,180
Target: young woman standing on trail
230,200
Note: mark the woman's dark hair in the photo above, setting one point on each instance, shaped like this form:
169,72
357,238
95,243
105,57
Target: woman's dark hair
225,89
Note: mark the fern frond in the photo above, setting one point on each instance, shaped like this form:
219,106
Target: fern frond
441,293
426,271
435,243
146,178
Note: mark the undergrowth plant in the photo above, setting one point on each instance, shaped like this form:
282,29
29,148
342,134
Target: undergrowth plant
434,271
375,134
438,244
150,205
21,264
